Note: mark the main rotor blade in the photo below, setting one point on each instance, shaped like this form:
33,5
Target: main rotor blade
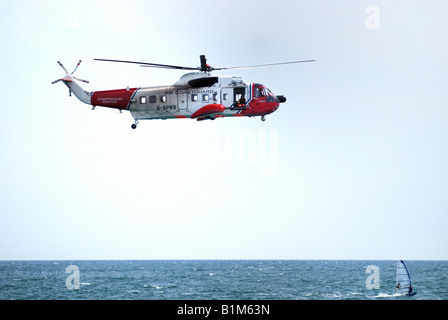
153,65
264,65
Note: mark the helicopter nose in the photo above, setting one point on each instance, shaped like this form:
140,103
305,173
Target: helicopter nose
281,99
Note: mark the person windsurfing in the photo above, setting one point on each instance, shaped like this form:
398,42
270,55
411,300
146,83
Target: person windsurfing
403,280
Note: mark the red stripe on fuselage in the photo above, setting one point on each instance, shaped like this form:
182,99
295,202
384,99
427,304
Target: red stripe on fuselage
208,110
260,107
118,99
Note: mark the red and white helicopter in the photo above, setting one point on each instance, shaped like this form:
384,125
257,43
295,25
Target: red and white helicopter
197,95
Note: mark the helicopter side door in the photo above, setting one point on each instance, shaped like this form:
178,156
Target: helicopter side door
259,94
234,97
239,98
182,99
258,103
227,97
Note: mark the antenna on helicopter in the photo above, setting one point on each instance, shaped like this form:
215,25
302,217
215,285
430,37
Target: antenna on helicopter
70,76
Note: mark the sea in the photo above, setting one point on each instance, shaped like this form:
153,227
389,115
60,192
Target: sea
218,280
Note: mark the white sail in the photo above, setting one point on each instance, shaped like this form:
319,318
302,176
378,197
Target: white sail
403,280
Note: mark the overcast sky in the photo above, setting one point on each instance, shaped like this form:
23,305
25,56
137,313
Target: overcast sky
352,166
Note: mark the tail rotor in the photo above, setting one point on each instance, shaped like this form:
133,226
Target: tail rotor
81,80
69,77
62,66
76,68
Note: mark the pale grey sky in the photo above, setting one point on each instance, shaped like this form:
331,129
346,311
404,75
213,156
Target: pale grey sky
352,166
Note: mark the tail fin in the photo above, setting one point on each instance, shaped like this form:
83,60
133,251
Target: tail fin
69,81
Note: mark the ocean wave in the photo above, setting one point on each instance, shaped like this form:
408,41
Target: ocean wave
387,295
152,286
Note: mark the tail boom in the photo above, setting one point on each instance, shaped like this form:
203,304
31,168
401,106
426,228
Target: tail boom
117,99
79,92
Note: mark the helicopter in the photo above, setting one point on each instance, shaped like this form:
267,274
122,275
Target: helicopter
196,95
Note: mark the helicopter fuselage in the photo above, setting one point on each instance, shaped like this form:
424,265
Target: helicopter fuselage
196,95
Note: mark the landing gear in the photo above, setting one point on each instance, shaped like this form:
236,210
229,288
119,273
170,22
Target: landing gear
263,118
134,125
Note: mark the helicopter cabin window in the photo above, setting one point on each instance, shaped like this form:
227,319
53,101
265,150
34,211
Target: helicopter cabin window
205,98
215,96
142,99
163,99
224,96
152,99
194,97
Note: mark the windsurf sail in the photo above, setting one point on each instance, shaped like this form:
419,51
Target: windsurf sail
403,280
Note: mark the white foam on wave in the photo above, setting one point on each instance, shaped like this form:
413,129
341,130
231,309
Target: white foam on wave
386,295
152,286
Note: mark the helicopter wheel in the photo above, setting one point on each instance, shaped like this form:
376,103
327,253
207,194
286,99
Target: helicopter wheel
134,126
263,118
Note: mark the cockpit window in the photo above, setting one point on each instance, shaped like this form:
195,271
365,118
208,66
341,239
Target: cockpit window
259,92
